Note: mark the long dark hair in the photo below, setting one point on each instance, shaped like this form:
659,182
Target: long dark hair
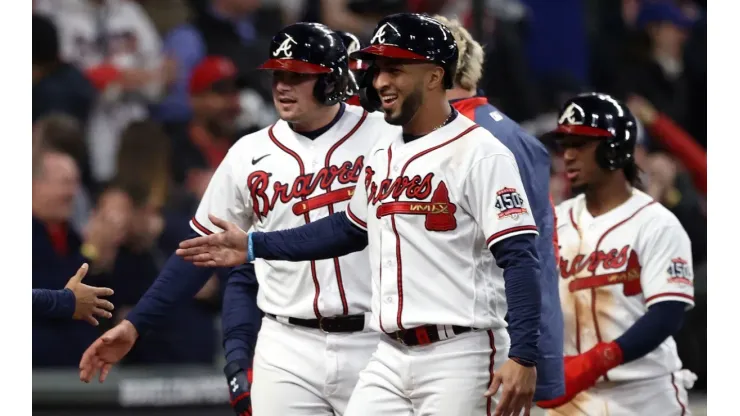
633,172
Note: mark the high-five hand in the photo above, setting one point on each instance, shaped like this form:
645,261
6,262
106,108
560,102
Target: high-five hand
107,350
88,302
225,249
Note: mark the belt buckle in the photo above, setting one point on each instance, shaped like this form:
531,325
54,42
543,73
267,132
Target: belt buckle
321,325
399,337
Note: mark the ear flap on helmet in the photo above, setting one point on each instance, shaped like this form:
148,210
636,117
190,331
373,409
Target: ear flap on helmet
331,88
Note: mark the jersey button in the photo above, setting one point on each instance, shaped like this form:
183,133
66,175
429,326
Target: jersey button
388,299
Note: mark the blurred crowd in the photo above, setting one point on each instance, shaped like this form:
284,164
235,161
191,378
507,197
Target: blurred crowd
136,102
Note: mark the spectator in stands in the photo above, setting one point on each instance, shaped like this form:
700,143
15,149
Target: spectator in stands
57,86
200,145
117,46
58,251
143,187
657,73
64,133
354,16
218,28
672,138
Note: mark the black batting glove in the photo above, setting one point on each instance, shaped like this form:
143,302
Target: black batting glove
239,378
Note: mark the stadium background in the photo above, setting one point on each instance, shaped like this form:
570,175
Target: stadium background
123,87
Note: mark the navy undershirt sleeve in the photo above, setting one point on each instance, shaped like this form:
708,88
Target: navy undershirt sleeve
53,304
240,316
332,236
517,256
662,320
178,281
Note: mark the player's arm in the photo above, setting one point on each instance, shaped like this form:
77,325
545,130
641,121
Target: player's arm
667,285
336,235
178,281
53,304
240,318
495,196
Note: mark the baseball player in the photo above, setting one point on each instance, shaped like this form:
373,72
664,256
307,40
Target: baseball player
450,237
625,268
314,339
534,165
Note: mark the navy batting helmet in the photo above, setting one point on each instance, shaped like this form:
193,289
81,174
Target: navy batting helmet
600,116
312,48
408,36
356,67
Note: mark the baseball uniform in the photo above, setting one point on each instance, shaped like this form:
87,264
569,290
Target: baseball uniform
275,179
432,208
613,267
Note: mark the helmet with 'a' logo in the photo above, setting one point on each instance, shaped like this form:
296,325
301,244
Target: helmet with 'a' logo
312,48
408,36
599,116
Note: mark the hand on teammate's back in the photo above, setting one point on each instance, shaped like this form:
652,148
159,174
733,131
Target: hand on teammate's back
88,304
225,249
518,388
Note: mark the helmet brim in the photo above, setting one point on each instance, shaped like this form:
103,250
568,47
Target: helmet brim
293,65
576,130
372,52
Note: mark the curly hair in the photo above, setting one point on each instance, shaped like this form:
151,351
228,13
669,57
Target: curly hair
470,54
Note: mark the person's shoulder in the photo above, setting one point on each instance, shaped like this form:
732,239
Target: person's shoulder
479,143
247,144
654,216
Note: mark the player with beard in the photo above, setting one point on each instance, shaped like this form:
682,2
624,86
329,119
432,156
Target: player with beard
450,236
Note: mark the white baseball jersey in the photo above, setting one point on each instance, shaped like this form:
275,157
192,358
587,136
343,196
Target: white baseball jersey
276,179
613,267
432,208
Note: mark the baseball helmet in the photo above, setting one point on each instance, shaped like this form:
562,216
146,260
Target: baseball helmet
312,48
600,116
407,36
356,67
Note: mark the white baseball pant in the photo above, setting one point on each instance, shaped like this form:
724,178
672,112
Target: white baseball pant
306,372
442,379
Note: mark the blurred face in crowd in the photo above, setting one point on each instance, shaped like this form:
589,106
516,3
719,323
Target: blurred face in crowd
401,86
667,38
118,209
292,94
55,186
218,108
579,157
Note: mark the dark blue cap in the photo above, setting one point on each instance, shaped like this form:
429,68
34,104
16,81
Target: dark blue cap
663,11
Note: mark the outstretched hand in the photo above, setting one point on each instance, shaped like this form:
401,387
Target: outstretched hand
88,299
107,350
225,249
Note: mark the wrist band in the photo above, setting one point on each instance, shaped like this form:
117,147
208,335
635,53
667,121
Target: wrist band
250,248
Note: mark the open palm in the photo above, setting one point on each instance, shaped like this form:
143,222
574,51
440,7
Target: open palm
107,350
225,249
